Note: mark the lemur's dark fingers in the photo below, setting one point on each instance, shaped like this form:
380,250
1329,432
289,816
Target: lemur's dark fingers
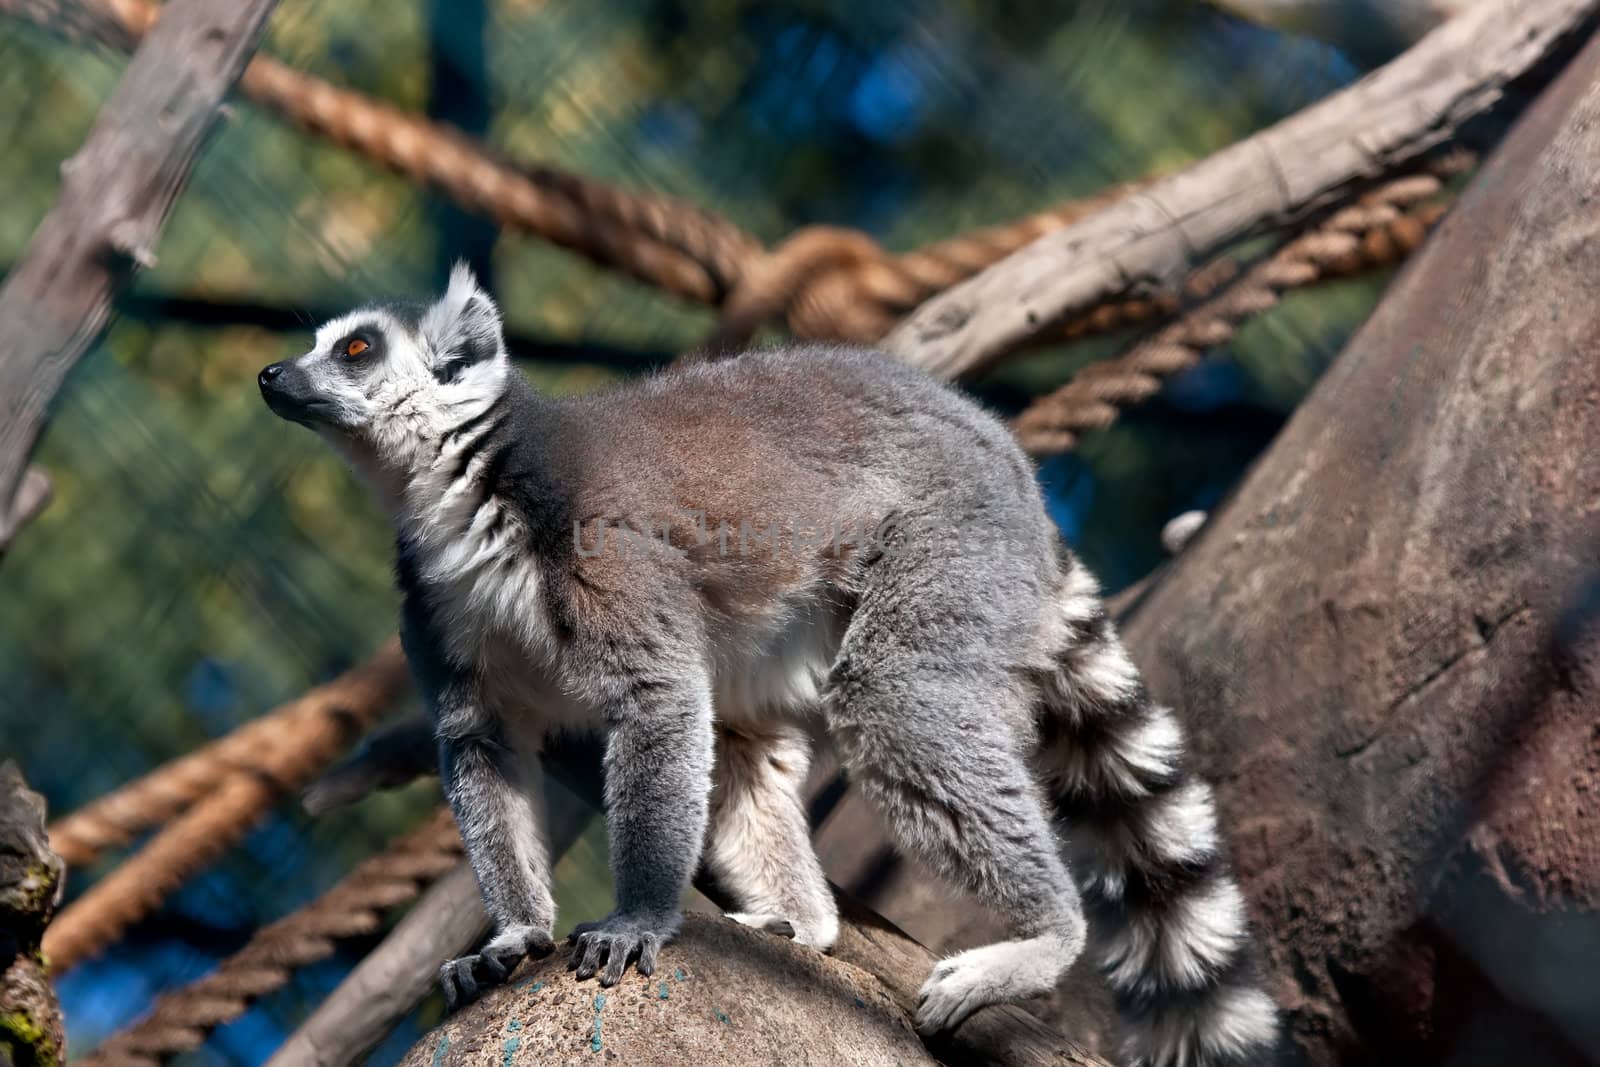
498,966
649,948
619,951
591,950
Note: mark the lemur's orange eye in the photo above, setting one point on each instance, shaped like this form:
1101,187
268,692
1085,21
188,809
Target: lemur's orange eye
355,346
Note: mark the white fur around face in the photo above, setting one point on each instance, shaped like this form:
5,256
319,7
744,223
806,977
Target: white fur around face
406,420
391,415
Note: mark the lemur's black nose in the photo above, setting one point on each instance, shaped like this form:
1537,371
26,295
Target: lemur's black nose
268,373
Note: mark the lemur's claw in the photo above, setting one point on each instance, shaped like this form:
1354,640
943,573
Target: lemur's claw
615,942
464,979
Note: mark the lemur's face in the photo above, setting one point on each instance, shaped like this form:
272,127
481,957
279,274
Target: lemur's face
387,379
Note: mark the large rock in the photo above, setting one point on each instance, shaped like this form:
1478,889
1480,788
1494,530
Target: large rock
723,994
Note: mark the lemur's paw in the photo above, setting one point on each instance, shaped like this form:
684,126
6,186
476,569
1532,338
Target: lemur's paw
761,920
816,931
616,941
957,987
464,979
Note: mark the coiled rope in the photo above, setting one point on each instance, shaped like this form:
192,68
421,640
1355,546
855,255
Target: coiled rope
212,797
181,1019
826,282
1381,228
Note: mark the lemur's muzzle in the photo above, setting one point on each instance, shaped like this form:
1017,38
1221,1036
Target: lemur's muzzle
287,390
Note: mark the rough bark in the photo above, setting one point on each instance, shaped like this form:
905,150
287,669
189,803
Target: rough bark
1385,640
727,994
115,195
31,880
1145,241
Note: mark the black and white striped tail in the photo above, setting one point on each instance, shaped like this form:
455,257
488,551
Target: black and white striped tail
1166,918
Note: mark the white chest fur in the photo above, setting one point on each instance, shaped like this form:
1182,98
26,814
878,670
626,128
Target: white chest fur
480,581
780,670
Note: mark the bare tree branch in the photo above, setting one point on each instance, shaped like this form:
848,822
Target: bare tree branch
395,977
116,192
33,496
1144,242
392,979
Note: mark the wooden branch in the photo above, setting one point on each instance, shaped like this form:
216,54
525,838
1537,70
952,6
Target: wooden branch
377,993
116,192
31,880
1146,241
999,1034
33,496
392,979
779,1002
723,994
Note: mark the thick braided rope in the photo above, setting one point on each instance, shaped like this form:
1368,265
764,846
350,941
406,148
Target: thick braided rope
661,240
115,819
857,297
181,1019
829,282
833,283
1381,228
335,714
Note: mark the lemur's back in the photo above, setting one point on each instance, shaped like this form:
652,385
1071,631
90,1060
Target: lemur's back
804,441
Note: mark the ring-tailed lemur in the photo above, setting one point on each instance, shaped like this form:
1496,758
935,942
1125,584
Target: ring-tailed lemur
704,564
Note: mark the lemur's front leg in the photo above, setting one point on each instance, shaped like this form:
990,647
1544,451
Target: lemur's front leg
494,789
658,782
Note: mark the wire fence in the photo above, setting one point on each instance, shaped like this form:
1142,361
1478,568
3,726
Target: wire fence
202,564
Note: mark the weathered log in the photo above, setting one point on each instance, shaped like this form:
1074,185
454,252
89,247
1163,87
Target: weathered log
115,195
31,881
1145,241
726,994
1385,640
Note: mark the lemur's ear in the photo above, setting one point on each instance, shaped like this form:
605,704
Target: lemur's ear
463,327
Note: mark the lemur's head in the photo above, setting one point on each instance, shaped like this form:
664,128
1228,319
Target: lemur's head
387,381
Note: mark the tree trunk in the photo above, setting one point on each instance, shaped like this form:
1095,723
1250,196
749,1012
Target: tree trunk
31,879
1384,640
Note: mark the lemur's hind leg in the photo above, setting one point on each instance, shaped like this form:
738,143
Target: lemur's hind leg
759,845
930,721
